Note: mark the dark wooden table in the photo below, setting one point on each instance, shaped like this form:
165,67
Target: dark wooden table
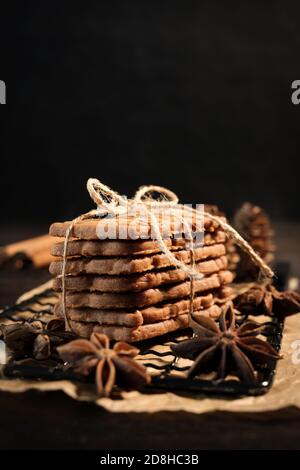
36,420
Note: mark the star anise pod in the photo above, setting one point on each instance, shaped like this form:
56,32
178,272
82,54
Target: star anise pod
265,299
226,348
34,339
111,365
254,224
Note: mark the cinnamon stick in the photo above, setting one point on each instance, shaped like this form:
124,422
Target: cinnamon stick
35,251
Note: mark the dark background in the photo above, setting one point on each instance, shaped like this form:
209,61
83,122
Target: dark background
192,95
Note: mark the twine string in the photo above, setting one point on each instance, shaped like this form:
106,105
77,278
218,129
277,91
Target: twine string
109,201
265,270
170,197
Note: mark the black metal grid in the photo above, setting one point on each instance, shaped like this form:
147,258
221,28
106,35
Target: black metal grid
39,307
265,374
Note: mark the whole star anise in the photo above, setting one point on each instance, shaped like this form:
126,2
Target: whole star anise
266,299
111,365
226,348
35,339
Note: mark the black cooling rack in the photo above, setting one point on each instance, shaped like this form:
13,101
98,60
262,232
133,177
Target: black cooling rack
167,370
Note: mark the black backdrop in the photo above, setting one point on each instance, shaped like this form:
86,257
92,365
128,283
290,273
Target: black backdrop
192,95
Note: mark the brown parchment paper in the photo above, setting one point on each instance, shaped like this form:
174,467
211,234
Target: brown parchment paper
284,393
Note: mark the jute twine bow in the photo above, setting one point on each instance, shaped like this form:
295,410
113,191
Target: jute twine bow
110,202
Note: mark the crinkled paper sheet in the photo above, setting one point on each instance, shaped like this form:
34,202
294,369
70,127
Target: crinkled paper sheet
284,393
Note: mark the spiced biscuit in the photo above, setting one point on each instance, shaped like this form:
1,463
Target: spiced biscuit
213,312
218,236
116,266
144,298
126,227
134,282
170,310
136,317
224,292
223,295
130,335
225,277
142,332
131,283
118,248
101,317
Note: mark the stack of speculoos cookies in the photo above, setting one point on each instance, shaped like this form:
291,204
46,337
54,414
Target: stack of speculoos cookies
129,289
